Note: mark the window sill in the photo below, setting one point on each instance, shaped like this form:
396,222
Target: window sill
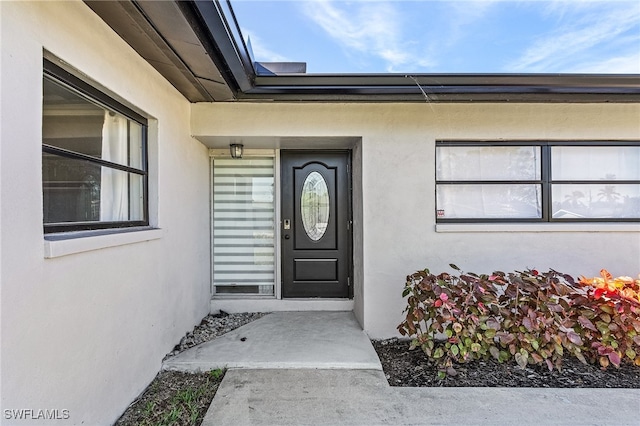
238,296
63,244
538,227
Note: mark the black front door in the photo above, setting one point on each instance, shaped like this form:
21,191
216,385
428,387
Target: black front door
315,227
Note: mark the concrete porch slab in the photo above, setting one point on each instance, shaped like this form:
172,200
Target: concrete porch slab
326,340
363,397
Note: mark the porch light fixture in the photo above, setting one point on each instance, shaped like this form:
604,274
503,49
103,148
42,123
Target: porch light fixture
236,150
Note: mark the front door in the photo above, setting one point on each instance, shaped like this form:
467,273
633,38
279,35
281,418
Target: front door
316,224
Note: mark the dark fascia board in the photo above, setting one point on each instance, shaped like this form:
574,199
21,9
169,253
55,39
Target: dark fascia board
616,81
216,24
448,88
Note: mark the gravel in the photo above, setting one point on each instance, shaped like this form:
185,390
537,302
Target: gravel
213,326
403,367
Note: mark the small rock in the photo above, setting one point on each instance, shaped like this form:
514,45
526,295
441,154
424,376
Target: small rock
213,326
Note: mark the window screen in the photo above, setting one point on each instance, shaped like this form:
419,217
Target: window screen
243,226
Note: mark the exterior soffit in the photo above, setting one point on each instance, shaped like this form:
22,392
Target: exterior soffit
163,35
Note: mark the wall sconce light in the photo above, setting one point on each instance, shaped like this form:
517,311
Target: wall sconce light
236,150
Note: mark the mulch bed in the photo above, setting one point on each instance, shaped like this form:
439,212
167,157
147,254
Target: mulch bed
403,367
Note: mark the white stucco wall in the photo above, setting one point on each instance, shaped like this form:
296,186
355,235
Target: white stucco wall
358,232
86,332
398,172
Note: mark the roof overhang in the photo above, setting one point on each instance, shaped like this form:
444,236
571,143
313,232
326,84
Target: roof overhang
197,46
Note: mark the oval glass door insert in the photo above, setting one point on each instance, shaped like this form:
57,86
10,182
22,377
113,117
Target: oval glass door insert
314,206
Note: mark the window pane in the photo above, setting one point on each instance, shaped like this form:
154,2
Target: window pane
82,191
314,206
596,201
595,163
474,163
71,190
243,226
489,201
121,196
72,122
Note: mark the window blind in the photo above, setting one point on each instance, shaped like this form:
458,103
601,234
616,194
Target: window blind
243,226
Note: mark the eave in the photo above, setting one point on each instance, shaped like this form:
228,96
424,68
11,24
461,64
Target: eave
168,35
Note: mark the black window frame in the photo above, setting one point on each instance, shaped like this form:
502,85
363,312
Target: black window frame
63,77
546,180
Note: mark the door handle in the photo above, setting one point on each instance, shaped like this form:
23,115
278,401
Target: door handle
287,236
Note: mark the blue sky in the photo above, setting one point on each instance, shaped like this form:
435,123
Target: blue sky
427,36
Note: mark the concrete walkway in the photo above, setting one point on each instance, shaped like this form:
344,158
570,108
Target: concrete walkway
319,368
362,397
285,340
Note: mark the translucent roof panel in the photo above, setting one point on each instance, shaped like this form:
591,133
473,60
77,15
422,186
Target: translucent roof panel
491,36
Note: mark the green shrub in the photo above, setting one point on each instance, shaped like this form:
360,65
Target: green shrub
535,318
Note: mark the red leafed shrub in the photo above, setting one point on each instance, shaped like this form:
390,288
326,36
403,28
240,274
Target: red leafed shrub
532,317
449,316
537,323
607,315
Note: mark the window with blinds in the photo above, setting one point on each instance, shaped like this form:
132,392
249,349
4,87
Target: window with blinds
243,226
543,181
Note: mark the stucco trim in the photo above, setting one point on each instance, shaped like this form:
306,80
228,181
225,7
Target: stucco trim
539,227
58,245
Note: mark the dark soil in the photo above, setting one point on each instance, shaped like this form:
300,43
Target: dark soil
403,367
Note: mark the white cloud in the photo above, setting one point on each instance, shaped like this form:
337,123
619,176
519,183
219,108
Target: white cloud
589,36
260,51
365,28
378,28
460,16
559,6
629,64
603,29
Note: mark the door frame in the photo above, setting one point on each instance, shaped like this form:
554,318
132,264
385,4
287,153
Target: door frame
349,238
236,303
